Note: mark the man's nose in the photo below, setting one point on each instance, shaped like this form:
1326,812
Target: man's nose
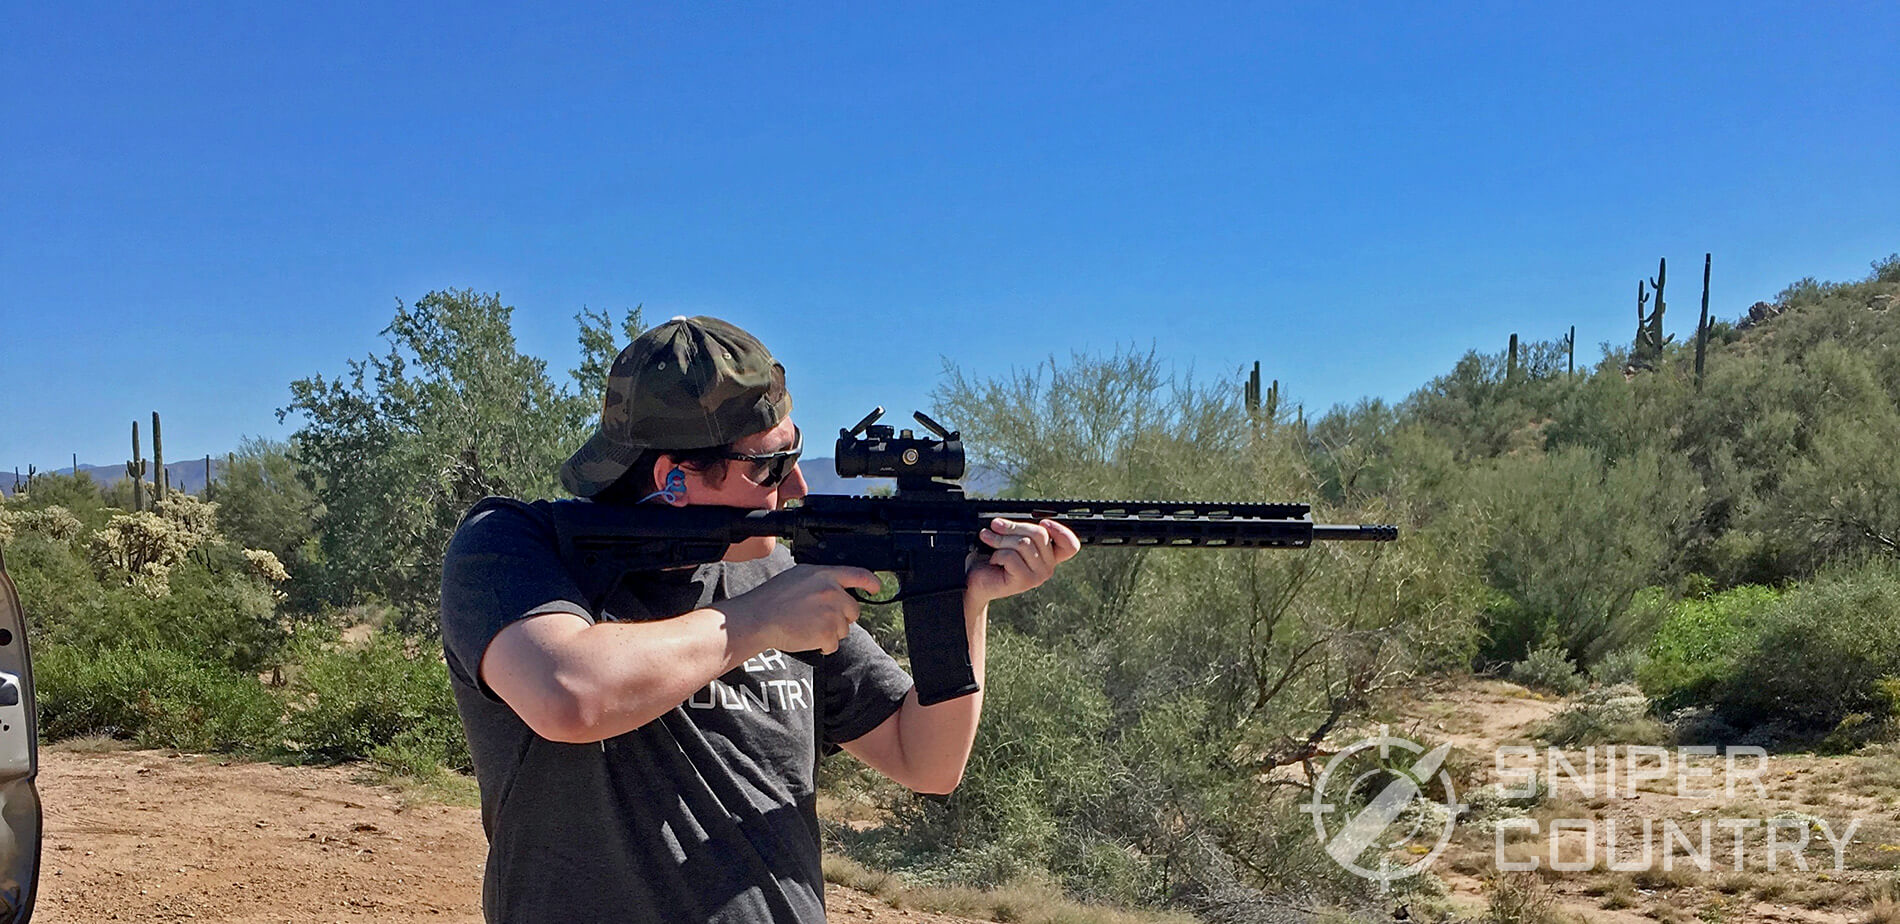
794,486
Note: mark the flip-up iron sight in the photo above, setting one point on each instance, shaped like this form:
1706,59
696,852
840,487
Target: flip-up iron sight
874,450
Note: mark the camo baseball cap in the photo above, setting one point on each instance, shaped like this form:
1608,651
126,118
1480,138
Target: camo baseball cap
691,383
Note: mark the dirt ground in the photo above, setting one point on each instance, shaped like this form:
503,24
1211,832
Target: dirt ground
1478,716
155,836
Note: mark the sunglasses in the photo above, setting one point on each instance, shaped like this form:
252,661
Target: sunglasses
768,469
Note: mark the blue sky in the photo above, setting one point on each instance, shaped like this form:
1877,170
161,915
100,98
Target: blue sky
203,202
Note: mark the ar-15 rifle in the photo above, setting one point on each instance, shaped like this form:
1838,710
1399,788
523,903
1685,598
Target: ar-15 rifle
923,533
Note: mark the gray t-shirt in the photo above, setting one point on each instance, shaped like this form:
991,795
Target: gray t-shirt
707,813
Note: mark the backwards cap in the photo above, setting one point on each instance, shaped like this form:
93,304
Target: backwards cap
691,383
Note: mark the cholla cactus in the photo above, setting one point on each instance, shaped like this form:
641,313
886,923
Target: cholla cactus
53,522
264,564
198,518
6,526
140,549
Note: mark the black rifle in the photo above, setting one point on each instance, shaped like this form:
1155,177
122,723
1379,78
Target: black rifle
923,533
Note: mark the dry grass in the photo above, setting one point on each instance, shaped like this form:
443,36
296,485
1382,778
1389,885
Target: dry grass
445,788
1619,898
1657,879
93,744
1025,902
1518,898
1882,908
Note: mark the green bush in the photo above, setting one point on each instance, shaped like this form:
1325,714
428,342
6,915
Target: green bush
1821,653
1695,649
1039,757
1574,535
375,702
155,696
214,608
54,580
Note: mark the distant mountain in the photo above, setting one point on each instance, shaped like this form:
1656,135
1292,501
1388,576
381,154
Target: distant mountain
187,476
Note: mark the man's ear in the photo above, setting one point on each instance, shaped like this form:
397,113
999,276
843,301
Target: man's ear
663,468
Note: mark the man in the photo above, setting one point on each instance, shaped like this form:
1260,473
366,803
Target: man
652,758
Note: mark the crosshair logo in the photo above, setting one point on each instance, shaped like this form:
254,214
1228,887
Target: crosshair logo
1386,791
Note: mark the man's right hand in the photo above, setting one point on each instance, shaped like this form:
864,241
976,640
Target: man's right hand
806,608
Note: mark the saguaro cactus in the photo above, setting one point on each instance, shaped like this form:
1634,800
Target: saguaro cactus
1656,318
1570,344
1262,405
1702,328
1650,339
1510,361
159,481
1642,318
135,470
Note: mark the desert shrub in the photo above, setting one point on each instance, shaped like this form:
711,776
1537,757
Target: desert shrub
376,701
54,581
1548,669
1607,715
213,608
1820,653
77,495
196,518
1574,535
1619,667
156,696
1696,646
1038,760
220,610
262,501
1212,668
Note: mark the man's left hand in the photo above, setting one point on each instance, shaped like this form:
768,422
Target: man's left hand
1026,555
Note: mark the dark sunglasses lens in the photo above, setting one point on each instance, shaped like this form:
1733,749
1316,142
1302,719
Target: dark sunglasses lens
778,469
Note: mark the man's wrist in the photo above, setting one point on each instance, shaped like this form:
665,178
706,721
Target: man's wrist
742,631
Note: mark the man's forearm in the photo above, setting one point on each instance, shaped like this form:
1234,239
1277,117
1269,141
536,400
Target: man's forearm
580,683
644,669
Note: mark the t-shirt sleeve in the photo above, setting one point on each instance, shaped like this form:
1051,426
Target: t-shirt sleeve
862,686
503,565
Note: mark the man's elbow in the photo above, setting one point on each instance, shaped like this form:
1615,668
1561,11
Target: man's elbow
937,783
566,714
